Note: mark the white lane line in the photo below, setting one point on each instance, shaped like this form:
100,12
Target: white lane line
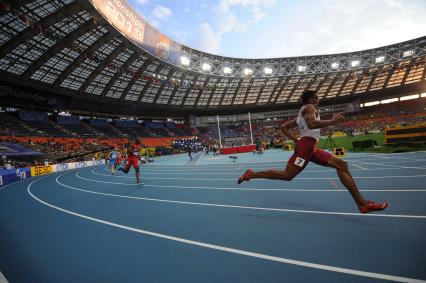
239,172
241,207
387,164
222,164
226,171
298,178
285,158
210,171
231,250
107,182
250,189
247,189
362,168
405,159
167,178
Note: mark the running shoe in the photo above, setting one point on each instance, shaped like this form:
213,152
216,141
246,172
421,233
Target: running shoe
246,176
372,206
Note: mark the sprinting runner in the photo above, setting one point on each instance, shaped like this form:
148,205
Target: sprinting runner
189,152
309,123
133,159
113,156
119,161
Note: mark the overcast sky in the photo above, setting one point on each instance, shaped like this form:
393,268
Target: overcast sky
283,28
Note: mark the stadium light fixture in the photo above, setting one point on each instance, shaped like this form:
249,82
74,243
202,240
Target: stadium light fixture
355,63
380,59
247,71
390,100
227,70
184,60
267,70
408,53
206,67
371,103
335,65
408,97
301,68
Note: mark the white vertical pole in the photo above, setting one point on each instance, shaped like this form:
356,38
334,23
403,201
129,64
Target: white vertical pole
218,128
251,132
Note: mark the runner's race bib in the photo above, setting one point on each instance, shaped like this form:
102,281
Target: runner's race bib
299,162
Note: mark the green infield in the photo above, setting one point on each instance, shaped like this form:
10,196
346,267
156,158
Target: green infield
346,142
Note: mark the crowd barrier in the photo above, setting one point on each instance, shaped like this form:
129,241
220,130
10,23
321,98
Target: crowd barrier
238,149
416,133
153,142
8,176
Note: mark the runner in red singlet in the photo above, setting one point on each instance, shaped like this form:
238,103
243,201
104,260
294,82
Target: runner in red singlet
133,159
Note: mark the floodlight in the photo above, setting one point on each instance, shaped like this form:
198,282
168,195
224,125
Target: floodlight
248,71
380,59
408,97
355,63
184,60
371,103
267,70
206,67
385,101
227,70
335,65
301,69
408,53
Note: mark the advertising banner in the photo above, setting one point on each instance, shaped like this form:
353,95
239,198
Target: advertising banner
125,19
121,15
41,170
8,176
82,164
61,167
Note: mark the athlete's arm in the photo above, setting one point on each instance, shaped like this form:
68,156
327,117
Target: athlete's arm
285,128
312,123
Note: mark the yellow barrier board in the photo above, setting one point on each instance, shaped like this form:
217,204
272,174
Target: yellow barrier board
338,134
287,146
339,151
147,150
40,170
416,133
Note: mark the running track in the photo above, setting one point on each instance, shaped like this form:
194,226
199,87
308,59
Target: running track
191,222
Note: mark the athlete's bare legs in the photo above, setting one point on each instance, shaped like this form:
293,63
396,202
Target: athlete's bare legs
342,170
346,179
287,175
138,176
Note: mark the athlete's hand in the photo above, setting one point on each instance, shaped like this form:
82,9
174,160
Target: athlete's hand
338,118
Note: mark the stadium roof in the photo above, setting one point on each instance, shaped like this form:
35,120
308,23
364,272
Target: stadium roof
102,57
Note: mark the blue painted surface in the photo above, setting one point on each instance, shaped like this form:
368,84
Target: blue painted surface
42,244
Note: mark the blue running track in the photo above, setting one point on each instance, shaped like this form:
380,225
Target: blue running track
191,222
